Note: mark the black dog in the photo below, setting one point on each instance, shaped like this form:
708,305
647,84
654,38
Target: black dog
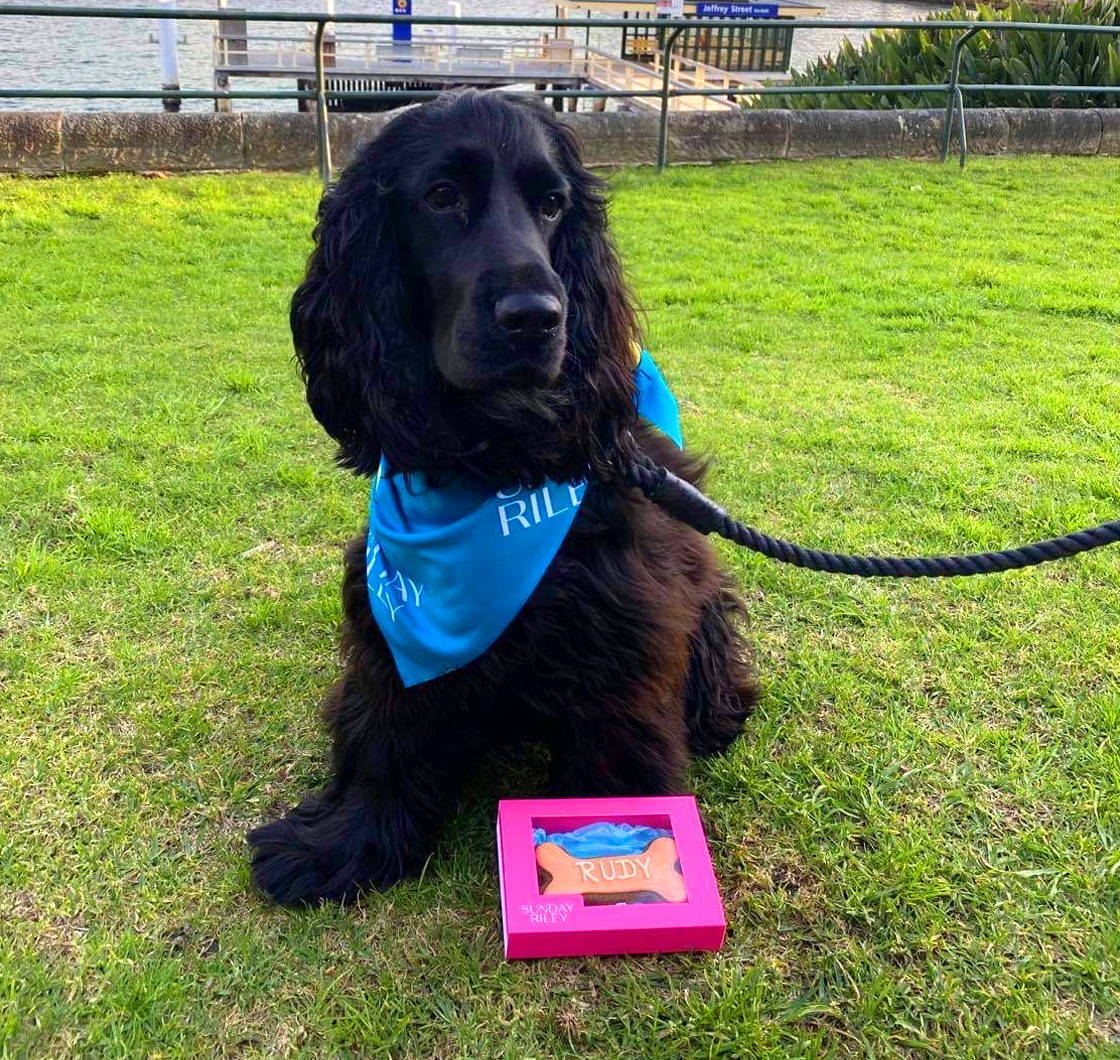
464,312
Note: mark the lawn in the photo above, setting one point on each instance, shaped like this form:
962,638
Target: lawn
918,837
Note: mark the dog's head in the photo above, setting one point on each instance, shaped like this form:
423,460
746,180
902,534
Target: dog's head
481,203
464,309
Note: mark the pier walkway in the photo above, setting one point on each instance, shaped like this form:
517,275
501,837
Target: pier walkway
608,71
494,61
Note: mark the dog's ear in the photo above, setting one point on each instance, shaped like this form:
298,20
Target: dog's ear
347,315
602,323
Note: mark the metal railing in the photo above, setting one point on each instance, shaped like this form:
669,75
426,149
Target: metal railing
954,89
512,59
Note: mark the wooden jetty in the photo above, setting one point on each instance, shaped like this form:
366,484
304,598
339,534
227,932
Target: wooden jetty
375,63
758,49
358,61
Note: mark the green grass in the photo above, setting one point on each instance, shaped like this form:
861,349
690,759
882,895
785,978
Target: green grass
918,838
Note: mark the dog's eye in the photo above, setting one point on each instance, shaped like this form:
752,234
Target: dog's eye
551,205
444,197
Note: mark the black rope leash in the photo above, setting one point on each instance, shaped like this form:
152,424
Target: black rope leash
685,502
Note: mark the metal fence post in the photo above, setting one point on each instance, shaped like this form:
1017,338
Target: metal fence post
663,123
321,114
964,135
954,98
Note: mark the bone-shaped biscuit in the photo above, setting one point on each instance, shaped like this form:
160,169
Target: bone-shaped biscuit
654,869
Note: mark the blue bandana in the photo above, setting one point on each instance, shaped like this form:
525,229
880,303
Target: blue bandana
449,568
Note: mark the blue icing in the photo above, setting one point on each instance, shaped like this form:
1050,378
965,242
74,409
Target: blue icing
602,838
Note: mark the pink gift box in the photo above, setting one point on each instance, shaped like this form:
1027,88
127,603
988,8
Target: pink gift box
563,925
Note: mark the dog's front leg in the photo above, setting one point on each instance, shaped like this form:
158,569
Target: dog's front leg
633,745
376,821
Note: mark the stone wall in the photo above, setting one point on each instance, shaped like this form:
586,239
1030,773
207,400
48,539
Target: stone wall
44,143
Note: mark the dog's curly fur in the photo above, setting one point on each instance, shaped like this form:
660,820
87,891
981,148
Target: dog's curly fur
627,656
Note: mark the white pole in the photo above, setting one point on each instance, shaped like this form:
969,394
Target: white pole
169,56
457,11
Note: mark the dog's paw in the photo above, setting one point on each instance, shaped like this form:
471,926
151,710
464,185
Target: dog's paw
289,869
328,851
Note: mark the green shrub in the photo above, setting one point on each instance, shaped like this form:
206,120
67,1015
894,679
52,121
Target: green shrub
907,57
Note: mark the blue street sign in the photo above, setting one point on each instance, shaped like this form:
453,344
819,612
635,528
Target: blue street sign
713,9
402,30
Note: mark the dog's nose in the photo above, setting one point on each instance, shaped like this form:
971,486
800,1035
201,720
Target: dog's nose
528,315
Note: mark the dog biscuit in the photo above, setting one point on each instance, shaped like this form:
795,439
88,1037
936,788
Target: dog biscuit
654,869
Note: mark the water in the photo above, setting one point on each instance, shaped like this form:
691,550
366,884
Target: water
121,53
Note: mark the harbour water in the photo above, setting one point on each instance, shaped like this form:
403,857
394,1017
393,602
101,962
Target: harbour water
122,53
